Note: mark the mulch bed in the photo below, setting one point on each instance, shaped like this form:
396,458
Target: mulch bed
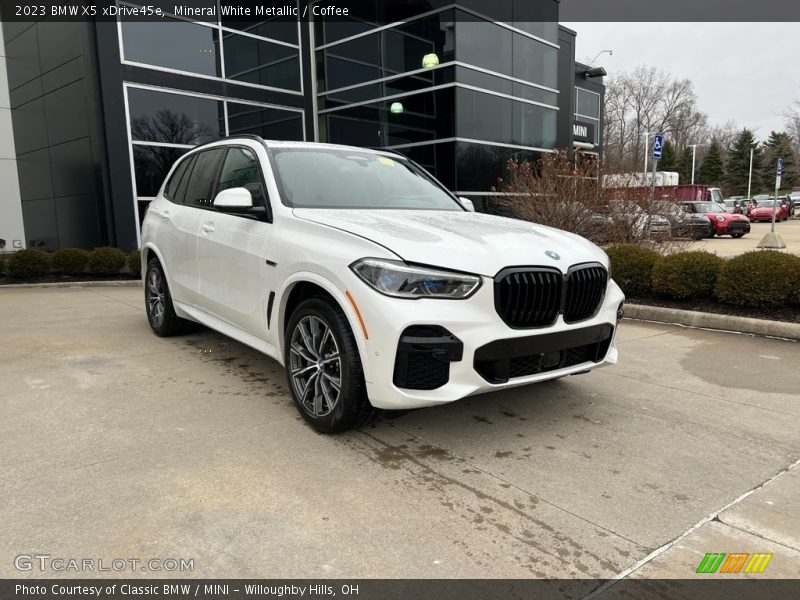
790,314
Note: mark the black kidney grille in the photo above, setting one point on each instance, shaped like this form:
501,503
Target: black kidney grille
585,289
529,298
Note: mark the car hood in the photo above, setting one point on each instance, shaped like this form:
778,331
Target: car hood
763,209
463,241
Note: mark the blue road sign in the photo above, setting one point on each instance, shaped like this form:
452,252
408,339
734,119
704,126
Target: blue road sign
780,167
658,146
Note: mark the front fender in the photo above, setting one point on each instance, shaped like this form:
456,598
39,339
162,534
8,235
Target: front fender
338,294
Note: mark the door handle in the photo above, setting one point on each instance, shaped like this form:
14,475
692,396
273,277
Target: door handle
209,227
165,215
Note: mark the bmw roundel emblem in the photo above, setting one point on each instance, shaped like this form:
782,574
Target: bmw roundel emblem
553,255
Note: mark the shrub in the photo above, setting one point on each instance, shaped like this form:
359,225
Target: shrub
29,263
686,274
2,264
135,263
70,261
632,268
760,278
106,261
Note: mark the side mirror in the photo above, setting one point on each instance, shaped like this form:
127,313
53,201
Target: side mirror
467,203
234,200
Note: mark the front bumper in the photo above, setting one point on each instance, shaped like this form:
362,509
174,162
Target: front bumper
484,353
733,227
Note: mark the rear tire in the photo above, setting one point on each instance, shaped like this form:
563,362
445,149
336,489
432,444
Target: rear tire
736,235
324,369
158,303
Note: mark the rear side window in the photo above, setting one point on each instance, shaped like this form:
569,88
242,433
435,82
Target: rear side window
201,186
241,169
175,180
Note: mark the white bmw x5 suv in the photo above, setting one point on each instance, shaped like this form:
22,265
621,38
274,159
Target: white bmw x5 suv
372,284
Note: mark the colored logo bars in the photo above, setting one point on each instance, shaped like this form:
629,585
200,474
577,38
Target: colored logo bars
735,562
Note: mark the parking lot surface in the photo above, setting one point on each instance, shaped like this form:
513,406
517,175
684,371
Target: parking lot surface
727,246
116,443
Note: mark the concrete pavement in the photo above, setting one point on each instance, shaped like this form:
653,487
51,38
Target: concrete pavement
726,246
116,443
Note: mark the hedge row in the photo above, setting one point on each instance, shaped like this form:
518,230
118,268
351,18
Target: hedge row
104,262
758,278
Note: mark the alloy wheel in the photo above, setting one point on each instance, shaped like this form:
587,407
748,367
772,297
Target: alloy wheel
315,366
155,297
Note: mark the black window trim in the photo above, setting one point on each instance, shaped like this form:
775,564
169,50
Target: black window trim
215,180
268,204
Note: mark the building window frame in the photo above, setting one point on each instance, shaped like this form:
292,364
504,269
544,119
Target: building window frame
126,85
220,28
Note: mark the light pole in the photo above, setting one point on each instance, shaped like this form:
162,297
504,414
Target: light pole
609,52
694,153
750,176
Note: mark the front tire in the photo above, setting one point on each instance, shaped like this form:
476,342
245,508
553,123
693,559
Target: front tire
158,302
323,367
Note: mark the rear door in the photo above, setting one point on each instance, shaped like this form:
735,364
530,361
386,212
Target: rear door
234,276
197,199
174,241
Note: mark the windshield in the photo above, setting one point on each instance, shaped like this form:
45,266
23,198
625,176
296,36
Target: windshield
332,178
766,203
709,207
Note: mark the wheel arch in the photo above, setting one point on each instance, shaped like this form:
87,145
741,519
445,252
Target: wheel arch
307,285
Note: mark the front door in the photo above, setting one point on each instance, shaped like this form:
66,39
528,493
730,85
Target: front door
234,276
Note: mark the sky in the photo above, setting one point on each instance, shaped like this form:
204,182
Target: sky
745,72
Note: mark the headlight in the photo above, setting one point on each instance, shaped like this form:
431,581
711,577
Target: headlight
720,218
397,279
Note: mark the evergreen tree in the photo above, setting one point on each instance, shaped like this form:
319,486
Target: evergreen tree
669,158
712,168
738,167
684,166
779,145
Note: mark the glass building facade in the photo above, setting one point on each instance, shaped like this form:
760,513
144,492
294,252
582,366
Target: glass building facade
455,90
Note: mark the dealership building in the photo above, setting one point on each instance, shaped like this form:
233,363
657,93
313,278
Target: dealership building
100,110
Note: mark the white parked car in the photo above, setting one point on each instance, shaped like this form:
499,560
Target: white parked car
370,282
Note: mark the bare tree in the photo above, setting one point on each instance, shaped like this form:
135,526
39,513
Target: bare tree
577,196
791,116
648,100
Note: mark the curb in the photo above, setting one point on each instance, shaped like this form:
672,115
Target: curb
78,284
693,318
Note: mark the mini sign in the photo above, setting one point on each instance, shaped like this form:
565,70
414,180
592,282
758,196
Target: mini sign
583,132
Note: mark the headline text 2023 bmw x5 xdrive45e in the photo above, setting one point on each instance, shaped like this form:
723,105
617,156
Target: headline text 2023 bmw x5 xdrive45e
370,282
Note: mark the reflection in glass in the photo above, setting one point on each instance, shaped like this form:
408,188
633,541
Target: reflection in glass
173,44
269,123
151,164
264,63
174,118
588,103
386,52
479,166
425,117
497,119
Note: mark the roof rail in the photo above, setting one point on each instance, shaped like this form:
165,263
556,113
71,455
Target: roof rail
240,136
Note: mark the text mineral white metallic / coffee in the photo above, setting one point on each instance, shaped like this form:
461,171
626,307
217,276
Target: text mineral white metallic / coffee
370,282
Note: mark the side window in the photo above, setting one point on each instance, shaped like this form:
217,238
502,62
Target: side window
200,189
241,169
175,180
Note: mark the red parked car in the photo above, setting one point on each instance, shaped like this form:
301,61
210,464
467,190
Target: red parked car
723,223
763,211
